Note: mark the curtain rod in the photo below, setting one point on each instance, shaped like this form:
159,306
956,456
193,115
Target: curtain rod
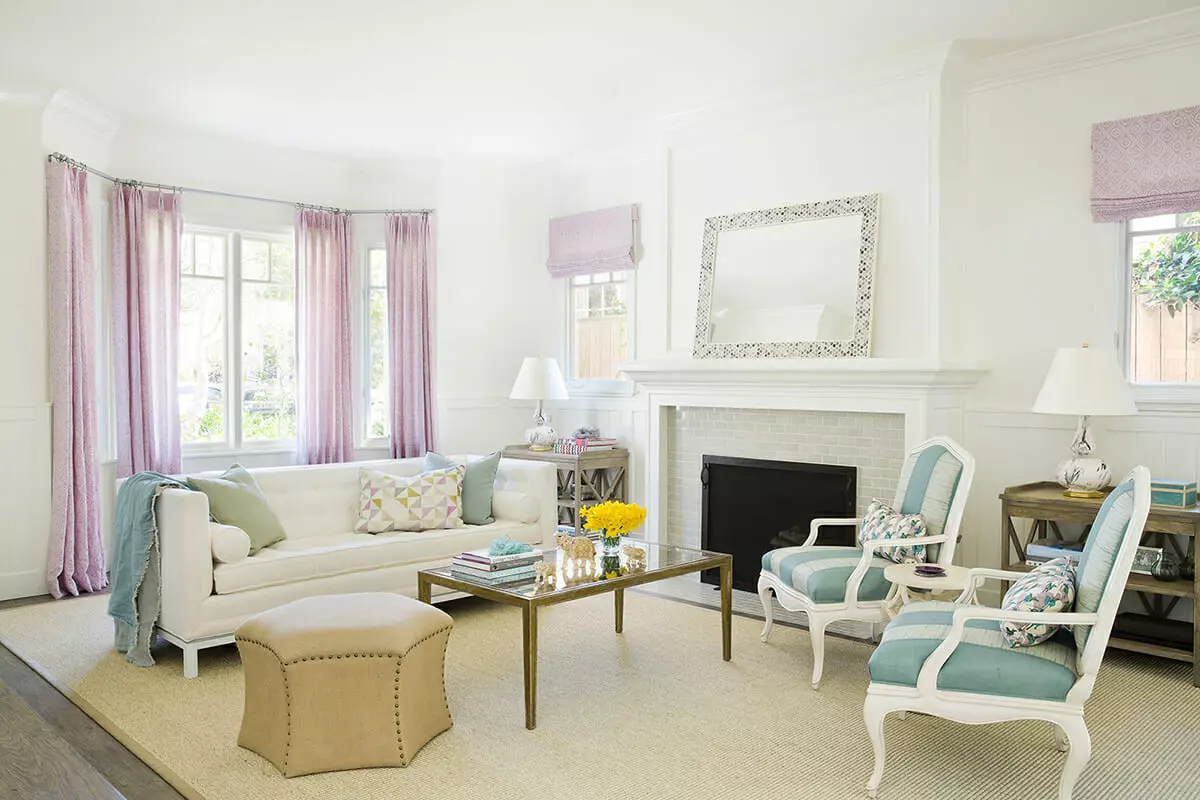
92,170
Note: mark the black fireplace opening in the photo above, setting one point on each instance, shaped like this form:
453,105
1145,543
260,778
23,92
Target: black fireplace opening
751,505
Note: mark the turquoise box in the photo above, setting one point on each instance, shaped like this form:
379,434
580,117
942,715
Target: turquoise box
1175,494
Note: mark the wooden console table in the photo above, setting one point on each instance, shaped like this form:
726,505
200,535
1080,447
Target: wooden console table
583,480
1045,504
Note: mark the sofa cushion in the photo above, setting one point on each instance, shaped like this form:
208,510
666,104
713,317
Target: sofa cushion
884,522
821,573
228,542
319,556
423,502
1049,589
235,498
479,483
983,663
516,506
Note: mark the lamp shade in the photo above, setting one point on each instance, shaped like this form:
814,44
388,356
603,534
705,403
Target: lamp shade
1085,381
539,379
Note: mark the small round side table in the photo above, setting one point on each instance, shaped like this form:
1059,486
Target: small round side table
904,577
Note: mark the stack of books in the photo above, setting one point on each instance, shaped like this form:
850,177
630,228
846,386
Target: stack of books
479,567
574,447
1040,551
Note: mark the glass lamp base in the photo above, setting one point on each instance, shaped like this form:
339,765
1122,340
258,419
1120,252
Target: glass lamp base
540,438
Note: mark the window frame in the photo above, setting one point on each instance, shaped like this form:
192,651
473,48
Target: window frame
1159,395
366,440
596,387
233,443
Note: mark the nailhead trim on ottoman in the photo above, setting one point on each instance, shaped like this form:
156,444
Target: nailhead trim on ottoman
318,674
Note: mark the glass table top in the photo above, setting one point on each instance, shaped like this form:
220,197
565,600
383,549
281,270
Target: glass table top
572,574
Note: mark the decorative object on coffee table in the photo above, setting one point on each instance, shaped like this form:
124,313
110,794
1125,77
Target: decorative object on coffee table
635,557
576,550
540,379
343,681
612,520
545,572
508,547
1084,382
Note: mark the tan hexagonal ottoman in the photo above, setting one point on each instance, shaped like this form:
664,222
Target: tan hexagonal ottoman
344,681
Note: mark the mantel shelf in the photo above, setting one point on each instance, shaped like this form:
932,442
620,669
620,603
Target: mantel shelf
844,372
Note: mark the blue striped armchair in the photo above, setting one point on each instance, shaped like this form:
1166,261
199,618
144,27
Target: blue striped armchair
951,660
834,583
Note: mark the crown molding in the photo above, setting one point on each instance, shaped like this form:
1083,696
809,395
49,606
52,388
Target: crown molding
84,115
1134,40
865,83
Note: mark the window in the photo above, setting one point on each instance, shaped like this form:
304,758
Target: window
1163,255
375,336
599,324
237,338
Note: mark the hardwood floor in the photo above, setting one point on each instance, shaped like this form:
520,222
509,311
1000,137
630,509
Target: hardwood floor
50,749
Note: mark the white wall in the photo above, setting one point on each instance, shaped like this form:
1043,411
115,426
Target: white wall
1042,275
24,396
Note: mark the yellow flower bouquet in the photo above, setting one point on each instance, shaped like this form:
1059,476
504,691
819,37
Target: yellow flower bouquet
612,520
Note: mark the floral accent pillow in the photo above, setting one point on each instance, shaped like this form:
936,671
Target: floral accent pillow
1050,588
420,503
884,522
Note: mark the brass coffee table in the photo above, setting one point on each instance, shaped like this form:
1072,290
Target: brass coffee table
575,581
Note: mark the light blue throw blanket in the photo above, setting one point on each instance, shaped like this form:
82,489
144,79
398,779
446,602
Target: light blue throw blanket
135,570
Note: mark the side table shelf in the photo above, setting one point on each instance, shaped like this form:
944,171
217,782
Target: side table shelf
1044,504
584,479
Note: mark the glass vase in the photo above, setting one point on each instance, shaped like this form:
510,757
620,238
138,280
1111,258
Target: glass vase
610,544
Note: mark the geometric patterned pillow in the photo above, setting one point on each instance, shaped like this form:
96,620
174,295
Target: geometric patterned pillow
420,503
883,522
1050,588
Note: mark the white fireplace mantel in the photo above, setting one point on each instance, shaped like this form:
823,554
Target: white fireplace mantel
931,396
837,372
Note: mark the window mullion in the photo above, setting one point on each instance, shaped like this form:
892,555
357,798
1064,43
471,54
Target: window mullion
233,379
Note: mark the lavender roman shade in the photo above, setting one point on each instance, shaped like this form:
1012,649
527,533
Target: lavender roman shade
1143,166
594,241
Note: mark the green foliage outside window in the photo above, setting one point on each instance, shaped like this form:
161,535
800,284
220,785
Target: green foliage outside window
1167,272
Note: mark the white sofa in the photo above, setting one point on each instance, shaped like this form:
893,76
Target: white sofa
203,602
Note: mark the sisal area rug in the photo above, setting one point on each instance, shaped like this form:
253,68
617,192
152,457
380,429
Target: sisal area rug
652,713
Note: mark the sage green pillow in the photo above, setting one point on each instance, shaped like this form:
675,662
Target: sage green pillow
478,485
235,498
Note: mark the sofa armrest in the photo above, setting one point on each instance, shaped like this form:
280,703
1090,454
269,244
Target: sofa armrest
538,479
187,562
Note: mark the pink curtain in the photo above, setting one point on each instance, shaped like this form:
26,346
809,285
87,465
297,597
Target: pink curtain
325,425
76,559
1145,166
145,232
411,259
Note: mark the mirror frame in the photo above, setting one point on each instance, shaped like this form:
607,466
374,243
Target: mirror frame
858,346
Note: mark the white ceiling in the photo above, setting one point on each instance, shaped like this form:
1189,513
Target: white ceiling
512,77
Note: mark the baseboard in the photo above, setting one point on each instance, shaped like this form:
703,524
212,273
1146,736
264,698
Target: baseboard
30,583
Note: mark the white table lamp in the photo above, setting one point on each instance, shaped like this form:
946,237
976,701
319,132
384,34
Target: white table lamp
539,379
1087,382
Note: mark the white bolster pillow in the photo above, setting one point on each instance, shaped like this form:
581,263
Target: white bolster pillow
229,543
515,506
